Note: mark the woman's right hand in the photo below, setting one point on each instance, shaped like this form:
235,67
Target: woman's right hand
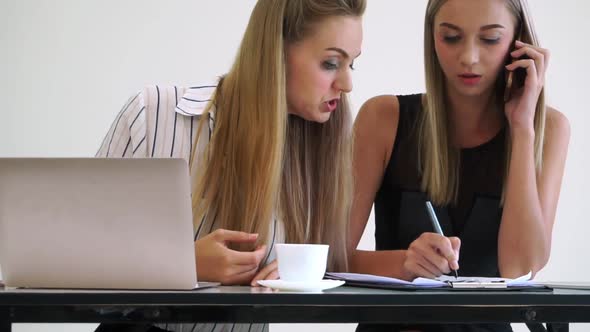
216,262
432,255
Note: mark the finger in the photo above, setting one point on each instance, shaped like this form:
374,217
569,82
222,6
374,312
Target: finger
247,257
239,262
427,258
427,246
433,261
273,275
445,248
437,245
268,275
437,269
270,267
456,244
529,65
534,54
239,269
447,256
224,235
264,273
529,51
419,270
519,44
242,278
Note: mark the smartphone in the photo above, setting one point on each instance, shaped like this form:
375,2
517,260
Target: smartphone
514,79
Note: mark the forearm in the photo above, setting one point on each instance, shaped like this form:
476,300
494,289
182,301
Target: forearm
389,263
523,244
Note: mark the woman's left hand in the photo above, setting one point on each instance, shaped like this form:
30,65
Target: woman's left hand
520,109
269,272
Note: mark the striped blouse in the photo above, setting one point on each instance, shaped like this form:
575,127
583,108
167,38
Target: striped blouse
162,122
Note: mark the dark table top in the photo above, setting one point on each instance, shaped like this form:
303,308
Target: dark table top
339,305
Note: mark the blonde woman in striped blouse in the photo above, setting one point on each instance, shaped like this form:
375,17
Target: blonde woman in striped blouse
268,145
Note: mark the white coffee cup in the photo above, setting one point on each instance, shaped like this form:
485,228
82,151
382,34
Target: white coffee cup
302,262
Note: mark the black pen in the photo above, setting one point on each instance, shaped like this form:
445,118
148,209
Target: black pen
436,225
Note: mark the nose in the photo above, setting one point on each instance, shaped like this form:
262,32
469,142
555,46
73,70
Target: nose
470,54
343,82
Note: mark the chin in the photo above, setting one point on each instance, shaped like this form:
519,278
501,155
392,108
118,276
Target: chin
322,117
470,92
315,117
473,91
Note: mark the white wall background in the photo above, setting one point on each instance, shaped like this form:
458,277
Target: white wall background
67,66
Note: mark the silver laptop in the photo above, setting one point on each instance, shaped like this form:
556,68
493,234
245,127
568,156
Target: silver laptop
97,224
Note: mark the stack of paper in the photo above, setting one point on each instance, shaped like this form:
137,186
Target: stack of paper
485,282
440,282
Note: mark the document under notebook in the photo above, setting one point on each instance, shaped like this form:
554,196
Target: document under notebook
485,282
355,279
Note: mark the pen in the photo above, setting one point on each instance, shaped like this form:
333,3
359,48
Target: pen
436,225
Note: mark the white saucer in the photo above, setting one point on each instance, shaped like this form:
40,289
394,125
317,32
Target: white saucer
296,286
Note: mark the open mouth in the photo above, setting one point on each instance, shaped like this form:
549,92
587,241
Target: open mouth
332,104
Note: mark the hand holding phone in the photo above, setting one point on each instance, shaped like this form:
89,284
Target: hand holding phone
514,79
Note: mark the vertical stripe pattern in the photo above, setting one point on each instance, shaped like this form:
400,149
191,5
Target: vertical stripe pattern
161,122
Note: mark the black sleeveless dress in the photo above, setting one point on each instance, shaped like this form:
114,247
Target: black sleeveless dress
401,217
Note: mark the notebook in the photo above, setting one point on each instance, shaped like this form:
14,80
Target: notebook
583,285
441,283
97,224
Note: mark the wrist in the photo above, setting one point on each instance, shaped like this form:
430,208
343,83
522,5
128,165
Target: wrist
522,134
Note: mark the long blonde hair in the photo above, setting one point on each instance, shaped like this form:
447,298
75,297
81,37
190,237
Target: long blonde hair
439,161
262,163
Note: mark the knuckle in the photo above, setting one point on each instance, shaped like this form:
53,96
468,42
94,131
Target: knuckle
225,261
408,265
253,260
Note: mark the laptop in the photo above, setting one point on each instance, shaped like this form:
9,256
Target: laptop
97,223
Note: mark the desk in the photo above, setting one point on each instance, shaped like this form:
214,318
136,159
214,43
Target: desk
257,305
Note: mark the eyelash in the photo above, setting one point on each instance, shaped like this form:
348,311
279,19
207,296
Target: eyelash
332,66
491,41
451,39
329,65
455,39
